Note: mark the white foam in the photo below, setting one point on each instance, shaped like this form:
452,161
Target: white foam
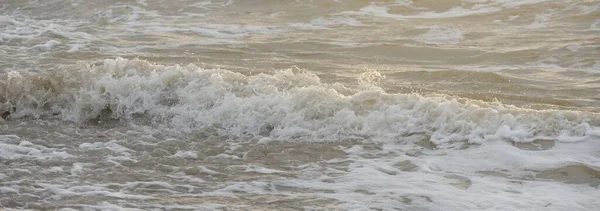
518,3
55,169
262,170
595,26
442,179
187,154
210,4
574,47
8,190
142,2
441,35
596,66
9,150
48,45
264,140
208,171
483,7
201,4
470,137
29,32
292,105
589,9
77,169
383,11
540,21
325,23
111,145
220,32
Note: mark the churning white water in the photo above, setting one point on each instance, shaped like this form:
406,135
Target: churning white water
299,105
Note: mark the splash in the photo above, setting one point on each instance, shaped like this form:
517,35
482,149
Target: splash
288,104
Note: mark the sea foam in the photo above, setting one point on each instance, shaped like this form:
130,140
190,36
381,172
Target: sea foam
286,104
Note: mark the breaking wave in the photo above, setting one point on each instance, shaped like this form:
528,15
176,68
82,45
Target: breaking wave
286,104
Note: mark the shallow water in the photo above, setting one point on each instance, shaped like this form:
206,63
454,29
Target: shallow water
300,105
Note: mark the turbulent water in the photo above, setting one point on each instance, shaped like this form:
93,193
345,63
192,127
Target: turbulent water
299,105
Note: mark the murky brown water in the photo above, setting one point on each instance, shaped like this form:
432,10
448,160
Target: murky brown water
300,105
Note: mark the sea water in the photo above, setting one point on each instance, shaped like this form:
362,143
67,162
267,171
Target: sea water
299,105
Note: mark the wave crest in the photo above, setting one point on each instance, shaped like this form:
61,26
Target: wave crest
287,104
